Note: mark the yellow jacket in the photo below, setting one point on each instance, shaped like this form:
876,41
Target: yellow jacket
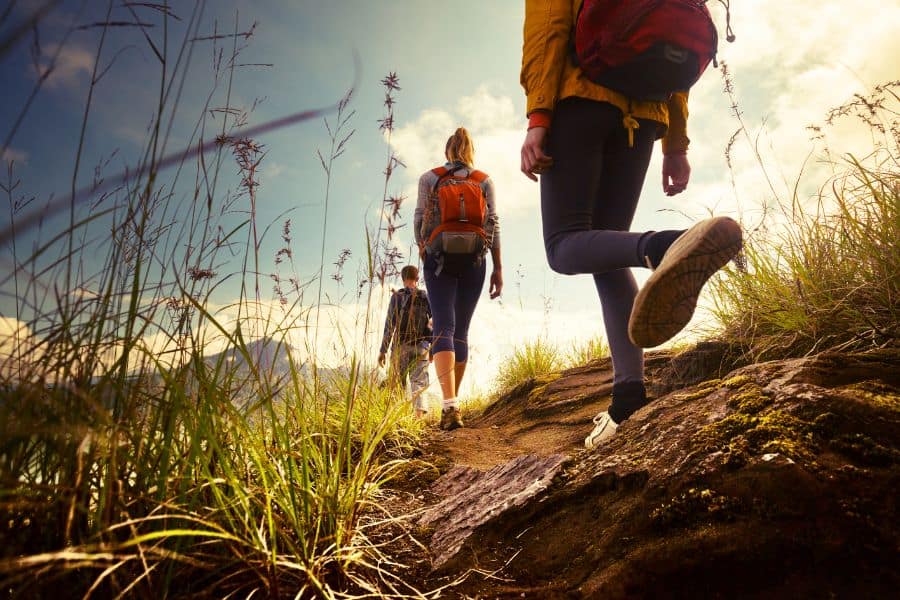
549,75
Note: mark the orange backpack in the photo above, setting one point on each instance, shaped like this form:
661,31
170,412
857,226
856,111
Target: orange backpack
459,209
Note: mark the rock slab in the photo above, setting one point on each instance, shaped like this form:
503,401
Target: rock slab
471,497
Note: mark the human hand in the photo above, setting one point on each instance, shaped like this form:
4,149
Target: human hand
533,158
676,172
381,359
496,283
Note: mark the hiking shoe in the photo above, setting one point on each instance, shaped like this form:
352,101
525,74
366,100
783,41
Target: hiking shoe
667,301
450,419
604,428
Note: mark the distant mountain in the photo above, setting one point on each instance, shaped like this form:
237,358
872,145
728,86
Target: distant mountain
267,355
272,359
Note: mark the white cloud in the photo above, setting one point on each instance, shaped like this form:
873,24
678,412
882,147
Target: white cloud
72,68
13,155
18,347
497,131
11,331
273,169
791,64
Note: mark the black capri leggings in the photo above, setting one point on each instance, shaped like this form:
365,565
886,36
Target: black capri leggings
453,297
588,199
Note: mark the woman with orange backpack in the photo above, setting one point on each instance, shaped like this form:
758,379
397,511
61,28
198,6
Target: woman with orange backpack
603,81
455,226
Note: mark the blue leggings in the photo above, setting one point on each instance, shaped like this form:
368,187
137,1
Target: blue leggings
588,200
453,297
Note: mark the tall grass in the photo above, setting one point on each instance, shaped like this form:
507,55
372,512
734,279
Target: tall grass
134,463
531,359
587,351
827,276
540,357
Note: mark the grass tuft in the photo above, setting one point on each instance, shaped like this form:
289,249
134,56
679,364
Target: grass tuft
532,359
829,279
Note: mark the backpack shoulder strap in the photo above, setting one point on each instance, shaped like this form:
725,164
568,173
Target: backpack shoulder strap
441,172
403,304
477,176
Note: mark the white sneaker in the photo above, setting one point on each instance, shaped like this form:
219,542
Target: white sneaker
604,428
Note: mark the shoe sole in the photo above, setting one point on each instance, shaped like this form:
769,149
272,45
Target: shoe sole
667,301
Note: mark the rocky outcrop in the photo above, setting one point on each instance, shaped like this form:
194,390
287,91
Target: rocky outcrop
776,480
472,498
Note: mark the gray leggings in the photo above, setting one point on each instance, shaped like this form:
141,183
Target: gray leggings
588,200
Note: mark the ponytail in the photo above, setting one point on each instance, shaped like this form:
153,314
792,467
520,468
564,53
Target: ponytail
460,148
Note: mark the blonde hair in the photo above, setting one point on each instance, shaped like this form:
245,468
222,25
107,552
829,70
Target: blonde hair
460,148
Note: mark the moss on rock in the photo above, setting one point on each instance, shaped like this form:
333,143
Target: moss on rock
755,427
876,393
696,505
738,381
540,386
702,390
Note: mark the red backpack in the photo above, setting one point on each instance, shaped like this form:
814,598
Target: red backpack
458,213
645,49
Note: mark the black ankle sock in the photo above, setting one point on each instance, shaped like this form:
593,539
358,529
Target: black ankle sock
628,398
654,246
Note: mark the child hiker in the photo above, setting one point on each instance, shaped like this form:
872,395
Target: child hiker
407,329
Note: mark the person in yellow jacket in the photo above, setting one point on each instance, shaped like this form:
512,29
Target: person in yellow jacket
591,147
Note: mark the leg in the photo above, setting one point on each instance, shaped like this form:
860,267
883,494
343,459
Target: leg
406,364
471,284
418,380
617,290
588,200
445,369
615,201
458,372
579,144
395,367
442,292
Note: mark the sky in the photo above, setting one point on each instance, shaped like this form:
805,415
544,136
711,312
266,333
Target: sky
790,64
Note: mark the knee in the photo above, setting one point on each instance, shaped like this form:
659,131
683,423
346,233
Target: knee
442,341
554,260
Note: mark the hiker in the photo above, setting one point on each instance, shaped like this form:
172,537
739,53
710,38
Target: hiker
406,329
455,226
592,122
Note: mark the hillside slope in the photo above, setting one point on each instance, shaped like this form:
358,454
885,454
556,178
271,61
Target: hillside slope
774,480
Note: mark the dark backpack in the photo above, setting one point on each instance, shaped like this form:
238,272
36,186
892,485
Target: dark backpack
455,222
645,49
414,314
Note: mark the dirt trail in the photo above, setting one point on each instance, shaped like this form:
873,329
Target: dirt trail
555,418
